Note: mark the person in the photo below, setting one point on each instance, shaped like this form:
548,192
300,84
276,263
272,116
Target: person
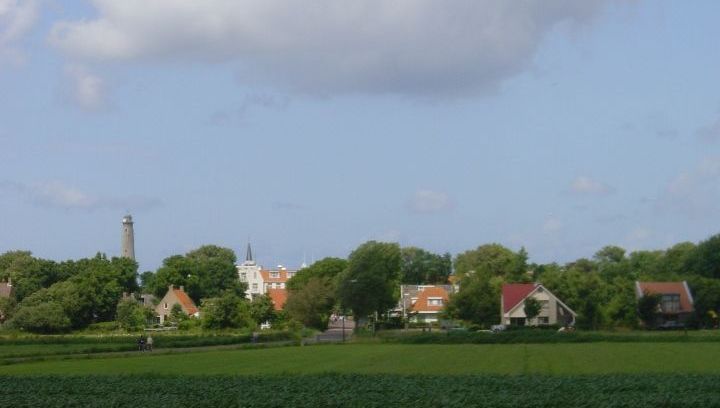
149,343
140,343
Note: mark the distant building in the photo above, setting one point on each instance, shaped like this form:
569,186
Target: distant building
423,303
676,302
6,289
553,310
175,296
264,281
128,238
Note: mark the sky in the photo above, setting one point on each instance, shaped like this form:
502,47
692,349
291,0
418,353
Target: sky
308,128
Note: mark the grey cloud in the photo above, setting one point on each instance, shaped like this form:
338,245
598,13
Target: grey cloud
325,47
429,201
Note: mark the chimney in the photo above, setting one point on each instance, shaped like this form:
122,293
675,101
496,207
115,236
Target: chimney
170,287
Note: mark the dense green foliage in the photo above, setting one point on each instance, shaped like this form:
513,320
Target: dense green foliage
370,282
313,303
226,311
205,272
326,269
478,300
362,391
423,267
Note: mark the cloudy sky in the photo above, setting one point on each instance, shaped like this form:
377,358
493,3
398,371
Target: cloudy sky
310,127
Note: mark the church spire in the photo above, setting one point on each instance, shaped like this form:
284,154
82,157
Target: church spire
248,256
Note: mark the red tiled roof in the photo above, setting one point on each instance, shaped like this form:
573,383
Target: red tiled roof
514,293
278,296
669,288
421,304
283,276
187,304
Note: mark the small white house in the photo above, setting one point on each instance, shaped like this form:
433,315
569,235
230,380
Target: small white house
553,310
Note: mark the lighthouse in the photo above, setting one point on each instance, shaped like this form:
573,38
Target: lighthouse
128,238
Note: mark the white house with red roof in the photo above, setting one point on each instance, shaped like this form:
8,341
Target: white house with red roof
423,303
553,310
271,282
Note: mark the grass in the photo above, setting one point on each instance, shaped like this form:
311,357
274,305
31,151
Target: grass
513,359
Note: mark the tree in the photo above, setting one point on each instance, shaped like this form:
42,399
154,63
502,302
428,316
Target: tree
130,314
705,259
423,267
648,308
7,308
369,285
610,254
532,308
226,311
326,268
313,303
44,318
205,272
478,300
495,260
262,309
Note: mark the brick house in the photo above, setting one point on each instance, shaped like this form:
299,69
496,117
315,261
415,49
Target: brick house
676,300
553,310
175,296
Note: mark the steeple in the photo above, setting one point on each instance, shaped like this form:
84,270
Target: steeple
248,256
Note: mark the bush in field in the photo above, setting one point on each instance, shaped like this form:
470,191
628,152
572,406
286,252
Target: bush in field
226,311
130,315
648,308
42,318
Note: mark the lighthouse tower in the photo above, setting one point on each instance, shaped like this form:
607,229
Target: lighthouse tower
128,238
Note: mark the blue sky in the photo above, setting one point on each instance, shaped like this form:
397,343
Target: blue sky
314,126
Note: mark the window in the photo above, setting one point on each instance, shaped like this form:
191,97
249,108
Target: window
243,276
543,320
670,303
435,302
165,306
274,275
254,286
282,286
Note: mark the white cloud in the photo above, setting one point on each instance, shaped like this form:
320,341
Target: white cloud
87,90
16,19
428,201
552,225
59,195
412,47
588,186
694,193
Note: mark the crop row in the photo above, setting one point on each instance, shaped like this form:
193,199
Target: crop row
361,391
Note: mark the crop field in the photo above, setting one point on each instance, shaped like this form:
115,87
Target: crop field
379,375
362,391
511,359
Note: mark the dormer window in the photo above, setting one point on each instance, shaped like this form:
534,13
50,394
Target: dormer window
275,275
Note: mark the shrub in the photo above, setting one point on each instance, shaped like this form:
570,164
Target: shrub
42,318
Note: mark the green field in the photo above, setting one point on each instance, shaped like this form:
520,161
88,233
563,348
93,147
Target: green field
556,359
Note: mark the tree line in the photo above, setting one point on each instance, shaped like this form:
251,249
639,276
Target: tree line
55,296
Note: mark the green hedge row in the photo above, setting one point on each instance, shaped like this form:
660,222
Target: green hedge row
332,390
539,336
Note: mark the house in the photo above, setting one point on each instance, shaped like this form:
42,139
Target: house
423,303
553,310
278,297
261,281
6,289
175,296
676,301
